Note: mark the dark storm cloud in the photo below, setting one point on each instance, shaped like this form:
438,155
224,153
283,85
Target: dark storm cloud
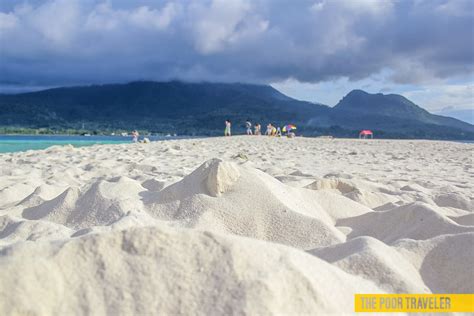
60,42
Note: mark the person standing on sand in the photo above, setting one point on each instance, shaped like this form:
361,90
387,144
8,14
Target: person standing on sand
227,128
135,135
269,129
258,129
249,127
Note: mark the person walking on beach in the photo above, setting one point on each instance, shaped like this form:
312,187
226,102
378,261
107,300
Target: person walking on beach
258,129
269,129
249,127
278,132
227,128
135,136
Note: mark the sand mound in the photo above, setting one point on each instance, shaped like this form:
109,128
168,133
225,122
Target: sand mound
454,200
14,230
415,221
14,193
213,178
339,207
444,262
55,210
102,204
59,149
466,220
371,199
153,185
41,194
136,272
414,187
225,197
374,260
332,184
295,181
33,199
362,192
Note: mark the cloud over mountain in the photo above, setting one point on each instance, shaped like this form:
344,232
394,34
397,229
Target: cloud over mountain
57,42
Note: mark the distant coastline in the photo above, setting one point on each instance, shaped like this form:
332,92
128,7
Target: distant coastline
333,132
240,133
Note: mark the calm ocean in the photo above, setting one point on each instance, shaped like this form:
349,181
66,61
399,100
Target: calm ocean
14,143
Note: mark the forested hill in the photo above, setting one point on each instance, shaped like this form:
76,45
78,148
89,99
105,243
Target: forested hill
201,108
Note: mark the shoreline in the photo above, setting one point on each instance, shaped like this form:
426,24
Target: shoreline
242,133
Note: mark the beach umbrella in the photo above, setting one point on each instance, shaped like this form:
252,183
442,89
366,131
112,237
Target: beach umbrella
288,127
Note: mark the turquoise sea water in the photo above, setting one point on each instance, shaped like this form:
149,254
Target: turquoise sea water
14,143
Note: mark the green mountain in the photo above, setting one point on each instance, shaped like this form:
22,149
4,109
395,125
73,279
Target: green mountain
157,106
396,115
360,103
201,108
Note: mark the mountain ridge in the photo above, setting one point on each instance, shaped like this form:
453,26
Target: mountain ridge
360,103
200,108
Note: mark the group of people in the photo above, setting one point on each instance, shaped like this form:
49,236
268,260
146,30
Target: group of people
257,129
136,138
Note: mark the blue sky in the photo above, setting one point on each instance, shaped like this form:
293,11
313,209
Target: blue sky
316,50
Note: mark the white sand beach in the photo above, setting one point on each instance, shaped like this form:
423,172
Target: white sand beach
231,226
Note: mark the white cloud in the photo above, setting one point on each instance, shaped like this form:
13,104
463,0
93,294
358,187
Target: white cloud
318,6
331,44
412,71
456,8
57,21
435,98
330,92
338,20
102,18
222,23
150,18
7,21
370,7
105,17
